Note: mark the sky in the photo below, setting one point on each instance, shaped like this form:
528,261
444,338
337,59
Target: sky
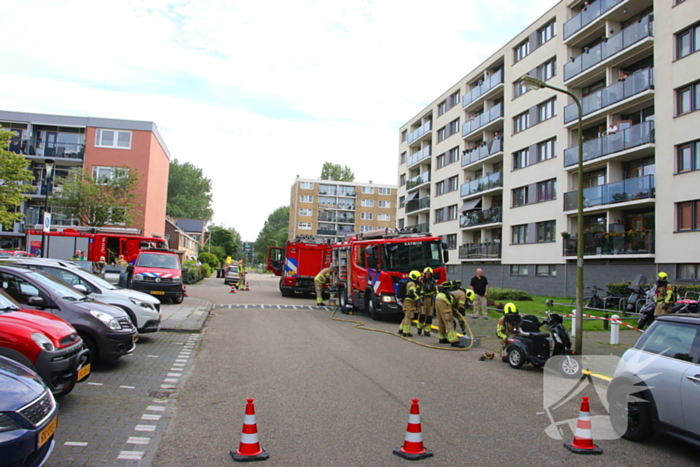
253,92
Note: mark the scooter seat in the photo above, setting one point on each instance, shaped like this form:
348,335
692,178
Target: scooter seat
539,334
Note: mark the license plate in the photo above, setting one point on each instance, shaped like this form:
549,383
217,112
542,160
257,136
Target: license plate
45,434
157,292
83,372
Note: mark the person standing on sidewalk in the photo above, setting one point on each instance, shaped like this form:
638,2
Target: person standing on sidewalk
241,274
319,281
480,286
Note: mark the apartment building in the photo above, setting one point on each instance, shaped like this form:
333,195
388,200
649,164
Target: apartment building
333,210
492,166
97,145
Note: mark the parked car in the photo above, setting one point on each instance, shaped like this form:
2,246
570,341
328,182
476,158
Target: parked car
656,386
43,343
106,331
231,275
143,309
28,416
157,272
13,253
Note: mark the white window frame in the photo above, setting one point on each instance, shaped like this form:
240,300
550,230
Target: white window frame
368,190
367,216
367,203
384,204
384,191
99,138
307,185
306,212
306,198
366,228
304,225
101,178
383,217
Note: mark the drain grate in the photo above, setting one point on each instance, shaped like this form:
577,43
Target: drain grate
160,394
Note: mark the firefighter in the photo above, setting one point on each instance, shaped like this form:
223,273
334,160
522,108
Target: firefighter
665,295
445,304
463,298
319,281
241,274
122,262
410,303
428,291
508,325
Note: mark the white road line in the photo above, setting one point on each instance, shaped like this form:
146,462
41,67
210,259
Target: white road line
128,387
147,416
131,455
75,443
155,408
94,384
138,440
174,375
152,356
294,306
168,386
145,428
171,380
174,364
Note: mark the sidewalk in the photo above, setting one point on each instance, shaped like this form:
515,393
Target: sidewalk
188,316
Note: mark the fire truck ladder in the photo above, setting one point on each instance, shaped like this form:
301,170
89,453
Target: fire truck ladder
341,258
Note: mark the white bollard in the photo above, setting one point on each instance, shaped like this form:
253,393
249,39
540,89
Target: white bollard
573,322
615,330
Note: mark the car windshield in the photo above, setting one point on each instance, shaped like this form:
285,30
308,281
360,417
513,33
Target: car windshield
7,304
676,340
93,279
407,256
56,286
155,260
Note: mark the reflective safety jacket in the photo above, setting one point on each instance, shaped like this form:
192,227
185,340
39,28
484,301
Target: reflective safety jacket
665,294
446,299
503,330
428,287
412,291
323,276
460,299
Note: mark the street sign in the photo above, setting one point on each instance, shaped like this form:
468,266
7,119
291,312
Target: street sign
47,222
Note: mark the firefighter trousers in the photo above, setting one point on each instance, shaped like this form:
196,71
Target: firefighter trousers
427,311
409,306
446,328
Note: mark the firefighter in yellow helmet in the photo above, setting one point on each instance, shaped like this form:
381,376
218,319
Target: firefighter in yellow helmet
508,325
409,303
428,291
241,274
319,281
665,294
463,297
445,304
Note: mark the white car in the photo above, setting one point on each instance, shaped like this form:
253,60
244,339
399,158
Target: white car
143,309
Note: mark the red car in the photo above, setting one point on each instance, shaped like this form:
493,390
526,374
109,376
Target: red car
44,343
6,253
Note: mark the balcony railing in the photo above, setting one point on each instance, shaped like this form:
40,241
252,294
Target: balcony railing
636,83
482,151
615,44
325,232
484,119
612,193
488,216
418,204
481,89
414,135
587,16
619,243
346,219
482,184
480,251
419,156
419,180
420,228
45,149
637,135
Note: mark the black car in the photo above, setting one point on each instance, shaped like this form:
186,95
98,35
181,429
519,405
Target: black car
106,331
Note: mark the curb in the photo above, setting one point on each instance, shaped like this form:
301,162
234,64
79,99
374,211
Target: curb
200,322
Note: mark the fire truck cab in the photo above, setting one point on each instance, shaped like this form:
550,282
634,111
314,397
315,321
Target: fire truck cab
298,263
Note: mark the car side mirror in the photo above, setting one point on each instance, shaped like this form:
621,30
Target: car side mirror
36,301
80,288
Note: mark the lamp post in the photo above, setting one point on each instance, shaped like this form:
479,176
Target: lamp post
534,83
48,165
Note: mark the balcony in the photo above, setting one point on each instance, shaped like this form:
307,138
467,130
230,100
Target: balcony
480,251
613,244
584,18
612,193
419,156
614,45
637,135
474,218
480,121
636,83
483,88
482,184
417,181
325,232
418,204
416,134
346,219
420,228
482,152
42,149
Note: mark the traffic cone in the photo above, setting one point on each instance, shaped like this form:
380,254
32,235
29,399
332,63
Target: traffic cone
583,438
233,288
184,291
249,449
247,286
413,442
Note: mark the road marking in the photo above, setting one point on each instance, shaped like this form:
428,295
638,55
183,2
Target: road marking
128,387
147,416
95,384
180,360
171,380
174,364
152,356
145,428
168,386
175,375
597,375
176,369
75,443
131,455
138,440
155,408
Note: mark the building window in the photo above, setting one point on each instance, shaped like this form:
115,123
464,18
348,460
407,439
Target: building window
305,212
547,191
402,180
452,183
688,156
453,127
366,228
367,203
402,201
687,272
384,204
452,155
452,212
307,185
688,41
104,175
546,270
306,199
547,32
547,70
520,159
518,269
403,157
688,215
522,50
546,150
547,109
404,135
366,216
451,241
383,217
440,188
519,234
545,232
519,89
520,196
369,190
304,225
442,134
117,139
454,99
439,215
521,122
688,98
442,107
384,191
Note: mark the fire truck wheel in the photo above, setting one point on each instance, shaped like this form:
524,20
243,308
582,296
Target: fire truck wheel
285,291
343,294
371,306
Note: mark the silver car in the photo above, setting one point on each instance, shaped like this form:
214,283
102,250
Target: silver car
656,386
143,309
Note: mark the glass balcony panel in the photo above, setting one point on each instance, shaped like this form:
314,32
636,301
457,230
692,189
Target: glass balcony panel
611,193
419,180
622,243
420,228
419,156
587,16
418,204
637,135
485,118
482,184
488,216
480,251
414,135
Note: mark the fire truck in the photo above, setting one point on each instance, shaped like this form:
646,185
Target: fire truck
370,265
298,263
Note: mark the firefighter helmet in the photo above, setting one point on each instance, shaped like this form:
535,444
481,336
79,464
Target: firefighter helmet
510,308
470,294
428,270
663,276
414,275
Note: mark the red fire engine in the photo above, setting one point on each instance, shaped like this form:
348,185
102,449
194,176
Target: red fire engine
298,263
370,265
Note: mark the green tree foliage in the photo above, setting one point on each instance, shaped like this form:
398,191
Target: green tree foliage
337,172
273,233
14,176
224,241
98,202
189,192
210,259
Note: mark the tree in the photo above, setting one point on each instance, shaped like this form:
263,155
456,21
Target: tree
273,233
224,241
14,176
96,202
189,192
332,171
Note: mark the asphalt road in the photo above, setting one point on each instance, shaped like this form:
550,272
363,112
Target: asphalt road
329,394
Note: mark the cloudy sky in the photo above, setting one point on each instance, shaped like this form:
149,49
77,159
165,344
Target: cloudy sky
253,92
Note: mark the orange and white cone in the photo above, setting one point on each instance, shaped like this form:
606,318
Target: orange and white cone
247,286
184,291
583,436
233,288
413,442
249,449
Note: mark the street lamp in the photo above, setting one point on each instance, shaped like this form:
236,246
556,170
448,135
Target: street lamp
534,83
48,165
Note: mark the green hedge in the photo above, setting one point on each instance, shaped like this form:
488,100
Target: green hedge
192,275
496,293
209,259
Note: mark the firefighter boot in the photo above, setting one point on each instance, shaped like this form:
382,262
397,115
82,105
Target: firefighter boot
427,326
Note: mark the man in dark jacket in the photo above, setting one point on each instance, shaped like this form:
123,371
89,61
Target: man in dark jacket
480,286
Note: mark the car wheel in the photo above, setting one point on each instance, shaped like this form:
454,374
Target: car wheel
630,415
371,306
177,299
570,366
516,358
89,344
343,297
